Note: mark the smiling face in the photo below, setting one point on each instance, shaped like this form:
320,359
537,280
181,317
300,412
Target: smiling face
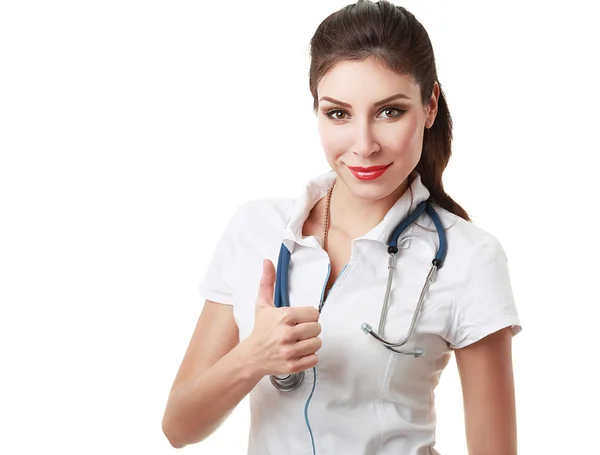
369,115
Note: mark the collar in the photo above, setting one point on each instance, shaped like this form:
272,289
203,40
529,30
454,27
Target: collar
317,187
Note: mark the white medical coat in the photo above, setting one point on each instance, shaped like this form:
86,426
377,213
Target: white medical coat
367,400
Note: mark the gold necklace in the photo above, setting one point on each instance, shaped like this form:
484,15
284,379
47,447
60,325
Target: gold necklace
326,229
327,216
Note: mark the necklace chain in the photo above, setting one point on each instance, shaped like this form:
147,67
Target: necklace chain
326,227
327,217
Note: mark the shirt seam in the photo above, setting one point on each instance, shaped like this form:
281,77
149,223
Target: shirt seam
379,401
459,281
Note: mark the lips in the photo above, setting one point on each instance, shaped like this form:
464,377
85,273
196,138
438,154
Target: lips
368,173
368,169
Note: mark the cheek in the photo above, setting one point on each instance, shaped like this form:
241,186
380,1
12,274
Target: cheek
333,140
404,138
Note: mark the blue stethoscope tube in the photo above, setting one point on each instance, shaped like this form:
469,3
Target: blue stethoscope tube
282,297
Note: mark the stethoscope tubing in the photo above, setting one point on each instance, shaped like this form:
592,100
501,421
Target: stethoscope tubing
281,299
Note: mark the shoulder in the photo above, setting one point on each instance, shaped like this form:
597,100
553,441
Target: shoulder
256,211
466,240
470,236
262,216
466,234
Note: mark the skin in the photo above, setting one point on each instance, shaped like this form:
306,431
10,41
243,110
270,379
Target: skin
363,135
354,132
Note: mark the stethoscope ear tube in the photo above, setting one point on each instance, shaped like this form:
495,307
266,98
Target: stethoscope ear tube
437,263
282,297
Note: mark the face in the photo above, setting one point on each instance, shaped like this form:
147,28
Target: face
370,116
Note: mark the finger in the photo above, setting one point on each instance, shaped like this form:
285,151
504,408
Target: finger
267,285
300,314
306,330
304,363
307,347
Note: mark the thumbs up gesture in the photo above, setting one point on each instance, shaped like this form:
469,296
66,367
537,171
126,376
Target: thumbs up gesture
284,340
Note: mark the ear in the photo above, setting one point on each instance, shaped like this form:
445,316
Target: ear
432,106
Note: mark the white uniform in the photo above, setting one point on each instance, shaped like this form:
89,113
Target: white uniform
367,400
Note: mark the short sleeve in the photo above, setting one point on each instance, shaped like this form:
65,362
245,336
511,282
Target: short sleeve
217,284
483,300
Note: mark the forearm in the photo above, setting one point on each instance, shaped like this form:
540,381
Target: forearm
491,421
485,369
196,408
497,441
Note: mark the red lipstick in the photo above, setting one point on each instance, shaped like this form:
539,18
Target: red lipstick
368,173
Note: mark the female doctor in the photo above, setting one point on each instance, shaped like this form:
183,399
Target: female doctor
380,275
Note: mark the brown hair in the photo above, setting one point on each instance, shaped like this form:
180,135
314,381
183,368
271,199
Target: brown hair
393,36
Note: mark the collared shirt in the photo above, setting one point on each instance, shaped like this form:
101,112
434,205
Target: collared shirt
366,399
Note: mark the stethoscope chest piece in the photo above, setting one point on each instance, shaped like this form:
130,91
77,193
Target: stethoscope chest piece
289,382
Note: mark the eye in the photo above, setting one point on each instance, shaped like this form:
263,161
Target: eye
393,109
391,112
332,114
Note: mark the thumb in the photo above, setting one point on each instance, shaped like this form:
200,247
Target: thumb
267,285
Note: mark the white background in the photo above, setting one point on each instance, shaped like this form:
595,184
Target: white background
130,131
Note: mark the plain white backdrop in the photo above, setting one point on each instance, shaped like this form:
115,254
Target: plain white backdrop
130,131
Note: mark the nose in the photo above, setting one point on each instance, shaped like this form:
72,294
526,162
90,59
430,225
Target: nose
365,143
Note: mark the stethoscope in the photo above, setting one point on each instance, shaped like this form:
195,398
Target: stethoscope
282,297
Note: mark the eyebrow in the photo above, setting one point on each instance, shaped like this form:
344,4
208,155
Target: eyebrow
378,103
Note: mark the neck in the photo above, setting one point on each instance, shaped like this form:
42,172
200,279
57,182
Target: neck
355,216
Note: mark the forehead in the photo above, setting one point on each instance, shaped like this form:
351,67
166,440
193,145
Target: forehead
367,80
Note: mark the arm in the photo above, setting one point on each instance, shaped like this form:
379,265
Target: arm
215,375
485,369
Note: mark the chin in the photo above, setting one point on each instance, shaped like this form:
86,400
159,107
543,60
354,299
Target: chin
373,189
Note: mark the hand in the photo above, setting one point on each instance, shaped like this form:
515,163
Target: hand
284,340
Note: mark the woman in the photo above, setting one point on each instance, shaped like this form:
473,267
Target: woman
386,133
